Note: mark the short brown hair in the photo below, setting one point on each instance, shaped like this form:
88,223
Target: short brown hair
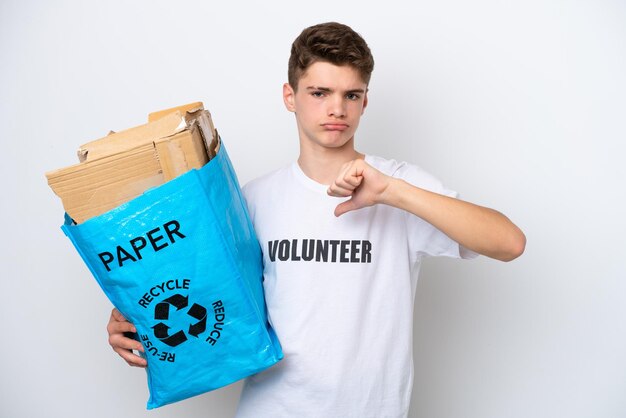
329,42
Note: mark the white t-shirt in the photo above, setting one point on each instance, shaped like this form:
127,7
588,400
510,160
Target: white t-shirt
339,295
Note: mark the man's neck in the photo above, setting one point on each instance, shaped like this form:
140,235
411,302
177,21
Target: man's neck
323,164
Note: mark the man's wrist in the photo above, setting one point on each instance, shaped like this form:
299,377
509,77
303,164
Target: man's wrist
392,193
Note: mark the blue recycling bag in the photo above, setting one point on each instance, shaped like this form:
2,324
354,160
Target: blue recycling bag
183,264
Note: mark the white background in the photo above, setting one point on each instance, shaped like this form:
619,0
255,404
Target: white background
518,105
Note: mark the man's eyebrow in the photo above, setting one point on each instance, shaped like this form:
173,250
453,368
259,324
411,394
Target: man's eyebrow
326,89
319,88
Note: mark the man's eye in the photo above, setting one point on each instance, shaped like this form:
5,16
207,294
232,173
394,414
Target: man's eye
352,96
317,94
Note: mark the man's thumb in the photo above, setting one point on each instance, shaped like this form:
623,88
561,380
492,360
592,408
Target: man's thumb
344,207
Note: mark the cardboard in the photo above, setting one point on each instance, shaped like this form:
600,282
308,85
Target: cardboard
188,108
118,142
122,165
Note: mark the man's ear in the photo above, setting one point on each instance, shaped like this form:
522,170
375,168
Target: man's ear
364,102
289,97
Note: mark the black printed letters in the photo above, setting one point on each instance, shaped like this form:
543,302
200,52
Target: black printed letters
133,251
325,251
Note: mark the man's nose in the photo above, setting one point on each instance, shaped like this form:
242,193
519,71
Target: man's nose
336,107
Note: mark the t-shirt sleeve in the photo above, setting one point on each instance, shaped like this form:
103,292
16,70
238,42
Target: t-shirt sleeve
424,239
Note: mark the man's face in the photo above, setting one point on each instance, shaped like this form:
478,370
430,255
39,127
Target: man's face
328,105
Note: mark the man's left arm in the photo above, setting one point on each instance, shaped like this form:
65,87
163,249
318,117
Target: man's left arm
477,228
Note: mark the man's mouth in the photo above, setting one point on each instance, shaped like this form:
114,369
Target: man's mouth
335,126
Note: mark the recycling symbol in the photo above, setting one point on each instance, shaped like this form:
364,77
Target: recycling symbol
162,312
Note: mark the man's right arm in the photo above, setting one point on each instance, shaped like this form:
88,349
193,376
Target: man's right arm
477,228
123,345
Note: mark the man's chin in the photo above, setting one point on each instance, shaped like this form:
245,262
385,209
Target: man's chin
331,140
337,139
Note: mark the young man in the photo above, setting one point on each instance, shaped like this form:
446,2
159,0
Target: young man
343,235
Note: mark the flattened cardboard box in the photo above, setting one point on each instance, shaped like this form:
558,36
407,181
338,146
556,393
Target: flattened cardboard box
121,166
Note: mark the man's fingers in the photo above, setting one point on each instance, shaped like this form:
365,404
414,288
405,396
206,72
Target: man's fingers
349,181
131,358
338,191
118,329
123,346
121,341
353,178
117,315
345,186
115,327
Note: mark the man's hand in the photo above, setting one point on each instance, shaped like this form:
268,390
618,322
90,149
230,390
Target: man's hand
365,184
477,228
123,345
